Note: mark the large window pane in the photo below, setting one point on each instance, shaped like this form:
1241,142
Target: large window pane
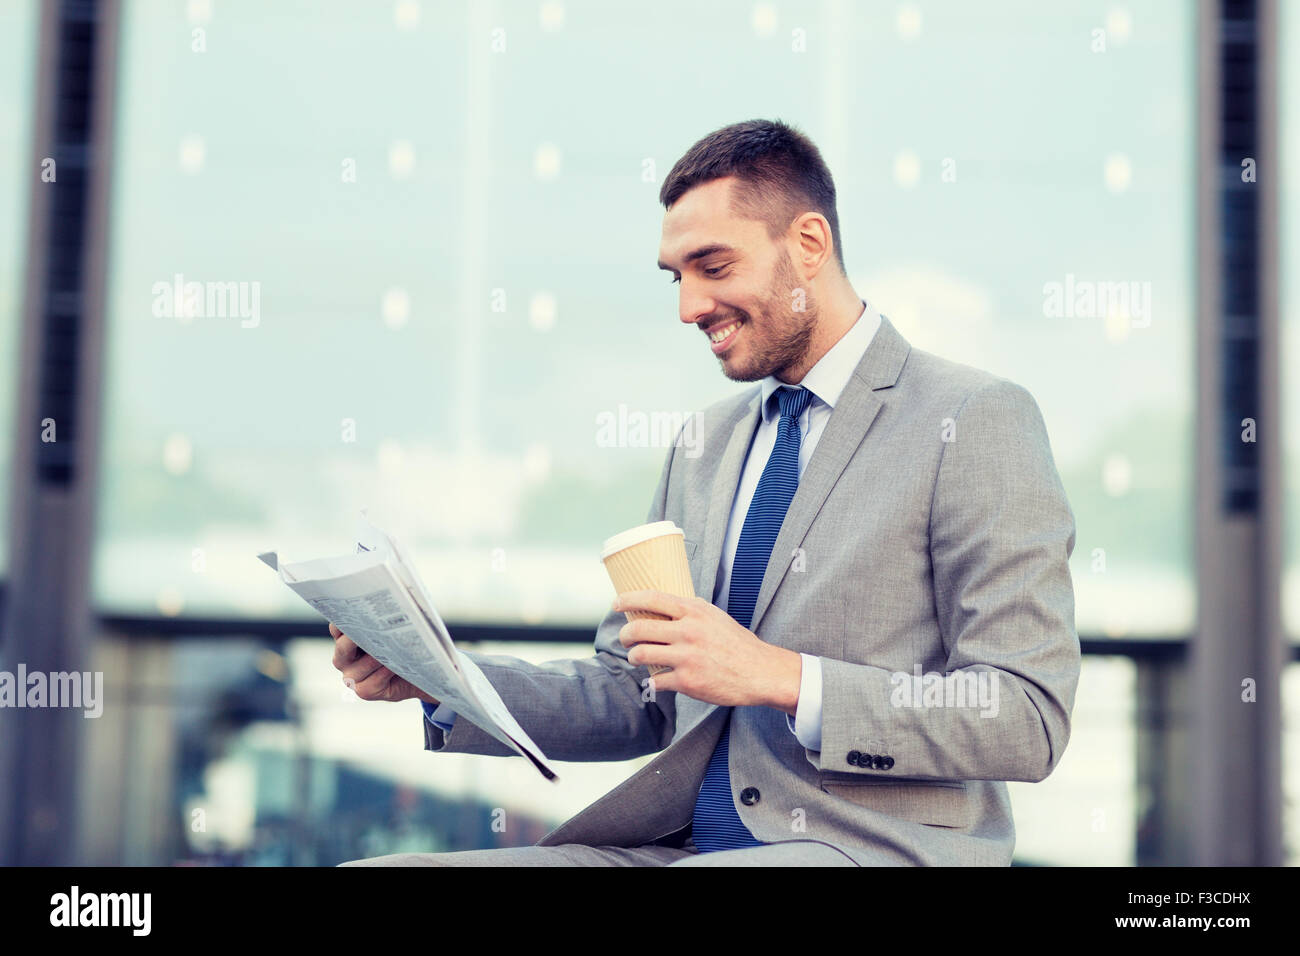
377,371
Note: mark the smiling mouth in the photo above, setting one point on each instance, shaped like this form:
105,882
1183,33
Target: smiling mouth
720,338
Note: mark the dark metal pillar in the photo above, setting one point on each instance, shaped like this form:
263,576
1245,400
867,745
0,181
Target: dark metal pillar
47,624
1236,661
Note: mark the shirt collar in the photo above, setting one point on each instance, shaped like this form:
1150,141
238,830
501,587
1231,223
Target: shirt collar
827,379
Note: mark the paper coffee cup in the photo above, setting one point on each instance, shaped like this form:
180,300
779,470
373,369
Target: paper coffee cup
649,557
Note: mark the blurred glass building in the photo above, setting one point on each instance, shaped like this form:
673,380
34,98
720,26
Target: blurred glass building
434,228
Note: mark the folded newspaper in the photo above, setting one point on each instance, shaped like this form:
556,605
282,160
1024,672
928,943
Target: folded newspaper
377,599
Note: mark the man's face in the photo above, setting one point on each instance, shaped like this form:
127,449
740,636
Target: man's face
731,272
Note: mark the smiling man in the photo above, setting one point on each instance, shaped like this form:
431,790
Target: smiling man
866,514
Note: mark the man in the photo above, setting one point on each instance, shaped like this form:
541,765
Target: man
880,539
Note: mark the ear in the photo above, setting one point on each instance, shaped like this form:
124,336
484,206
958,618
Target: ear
815,244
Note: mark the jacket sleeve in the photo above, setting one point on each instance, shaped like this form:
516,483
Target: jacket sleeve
588,709
1001,534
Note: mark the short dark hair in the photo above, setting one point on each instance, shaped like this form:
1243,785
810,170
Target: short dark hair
780,175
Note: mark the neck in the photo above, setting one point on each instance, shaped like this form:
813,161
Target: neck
836,318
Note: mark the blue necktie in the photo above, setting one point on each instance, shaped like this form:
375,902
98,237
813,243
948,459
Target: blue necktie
717,825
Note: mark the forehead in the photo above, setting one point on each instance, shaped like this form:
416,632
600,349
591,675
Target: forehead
704,217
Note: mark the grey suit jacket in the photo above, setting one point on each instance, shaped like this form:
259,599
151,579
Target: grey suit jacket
929,535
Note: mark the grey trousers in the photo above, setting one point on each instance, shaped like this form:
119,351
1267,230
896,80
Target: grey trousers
788,853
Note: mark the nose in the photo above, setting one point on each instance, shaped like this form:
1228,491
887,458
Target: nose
693,304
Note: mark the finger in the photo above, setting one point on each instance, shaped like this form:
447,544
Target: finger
345,653
660,683
664,655
341,639
644,629
374,687
657,602
362,668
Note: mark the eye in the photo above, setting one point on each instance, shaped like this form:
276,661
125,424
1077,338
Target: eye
714,273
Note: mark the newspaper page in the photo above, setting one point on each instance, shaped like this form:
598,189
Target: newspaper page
379,601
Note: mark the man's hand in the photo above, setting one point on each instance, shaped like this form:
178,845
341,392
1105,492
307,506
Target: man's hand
712,657
369,679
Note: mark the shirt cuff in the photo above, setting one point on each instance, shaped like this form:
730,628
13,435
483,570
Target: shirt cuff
442,716
806,724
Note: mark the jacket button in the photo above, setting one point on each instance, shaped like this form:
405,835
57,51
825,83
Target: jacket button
864,760
749,796
853,757
877,762
889,763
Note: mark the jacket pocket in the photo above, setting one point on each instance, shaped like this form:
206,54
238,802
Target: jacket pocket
942,803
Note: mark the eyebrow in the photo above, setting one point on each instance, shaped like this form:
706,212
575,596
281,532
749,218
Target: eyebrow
699,253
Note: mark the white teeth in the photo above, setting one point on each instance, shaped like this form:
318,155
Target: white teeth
721,334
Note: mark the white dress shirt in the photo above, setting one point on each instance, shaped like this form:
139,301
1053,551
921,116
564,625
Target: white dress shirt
826,380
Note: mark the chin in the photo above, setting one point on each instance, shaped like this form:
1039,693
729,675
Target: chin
738,373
